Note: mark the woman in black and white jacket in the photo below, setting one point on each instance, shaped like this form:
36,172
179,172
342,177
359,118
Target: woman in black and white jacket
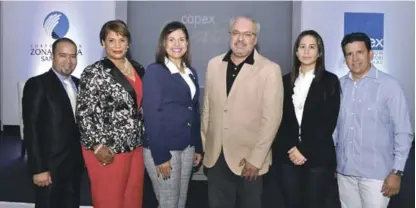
304,151
110,118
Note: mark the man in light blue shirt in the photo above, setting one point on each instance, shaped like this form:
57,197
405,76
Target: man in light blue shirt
373,135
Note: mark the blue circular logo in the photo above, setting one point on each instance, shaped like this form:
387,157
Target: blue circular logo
56,25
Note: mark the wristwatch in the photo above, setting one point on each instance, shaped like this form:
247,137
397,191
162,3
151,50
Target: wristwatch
397,172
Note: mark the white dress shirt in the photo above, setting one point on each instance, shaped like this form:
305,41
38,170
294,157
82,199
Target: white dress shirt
300,92
186,76
70,89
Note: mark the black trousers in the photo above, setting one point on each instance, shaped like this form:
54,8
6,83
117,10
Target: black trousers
304,187
226,190
64,192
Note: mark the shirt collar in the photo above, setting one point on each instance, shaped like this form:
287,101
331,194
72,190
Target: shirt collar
60,76
372,73
310,73
174,69
248,60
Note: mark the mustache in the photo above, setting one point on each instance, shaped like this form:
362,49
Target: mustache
240,42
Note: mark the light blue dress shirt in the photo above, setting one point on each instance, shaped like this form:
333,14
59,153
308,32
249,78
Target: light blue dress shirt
374,133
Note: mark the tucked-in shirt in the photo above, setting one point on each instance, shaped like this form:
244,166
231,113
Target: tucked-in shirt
186,76
300,92
233,70
373,134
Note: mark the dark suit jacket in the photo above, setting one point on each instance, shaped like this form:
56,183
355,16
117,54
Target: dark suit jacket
51,134
171,117
318,123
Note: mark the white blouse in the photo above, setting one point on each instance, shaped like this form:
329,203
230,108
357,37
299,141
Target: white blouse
300,92
186,76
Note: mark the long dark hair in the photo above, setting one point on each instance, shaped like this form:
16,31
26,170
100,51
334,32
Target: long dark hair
161,51
320,61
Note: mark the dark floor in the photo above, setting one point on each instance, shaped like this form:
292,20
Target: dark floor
15,184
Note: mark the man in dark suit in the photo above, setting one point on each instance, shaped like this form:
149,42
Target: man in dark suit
51,134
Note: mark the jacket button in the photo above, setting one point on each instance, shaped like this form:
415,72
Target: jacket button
189,124
190,107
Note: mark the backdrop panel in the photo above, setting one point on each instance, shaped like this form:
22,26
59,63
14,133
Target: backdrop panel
208,25
29,29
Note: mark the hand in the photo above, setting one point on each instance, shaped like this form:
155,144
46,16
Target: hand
163,170
42,179
250,172
197,159
296,157
105,156
391,185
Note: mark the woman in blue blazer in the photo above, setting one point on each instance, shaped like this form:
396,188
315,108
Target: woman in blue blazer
171,117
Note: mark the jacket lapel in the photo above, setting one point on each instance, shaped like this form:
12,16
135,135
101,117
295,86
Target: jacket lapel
195,81
139,68
119,77
59,91
311,99
245,72
223,82
289,100
76,82
180,81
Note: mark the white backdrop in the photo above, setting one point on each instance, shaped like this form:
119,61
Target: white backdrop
399,37
23,36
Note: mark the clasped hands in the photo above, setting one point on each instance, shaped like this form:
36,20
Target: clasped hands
104,155
296,157
163,170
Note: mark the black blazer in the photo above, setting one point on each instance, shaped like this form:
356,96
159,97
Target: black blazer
318,123
50,132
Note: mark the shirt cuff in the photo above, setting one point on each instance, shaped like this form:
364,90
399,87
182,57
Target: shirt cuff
399,163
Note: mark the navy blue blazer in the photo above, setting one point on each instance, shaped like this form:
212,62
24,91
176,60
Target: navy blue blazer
171,117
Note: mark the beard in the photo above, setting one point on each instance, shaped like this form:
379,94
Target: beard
66,70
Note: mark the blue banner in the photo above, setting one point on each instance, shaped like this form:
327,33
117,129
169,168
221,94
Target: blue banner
373,25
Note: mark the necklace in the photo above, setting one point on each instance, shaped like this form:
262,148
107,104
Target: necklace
125,70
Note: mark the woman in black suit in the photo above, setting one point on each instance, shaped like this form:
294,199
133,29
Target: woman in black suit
304,147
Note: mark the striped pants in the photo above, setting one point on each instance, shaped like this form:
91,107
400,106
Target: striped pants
172,192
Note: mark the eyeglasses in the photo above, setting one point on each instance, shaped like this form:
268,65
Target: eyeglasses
246,35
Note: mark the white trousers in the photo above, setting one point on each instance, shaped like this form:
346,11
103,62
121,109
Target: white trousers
357,192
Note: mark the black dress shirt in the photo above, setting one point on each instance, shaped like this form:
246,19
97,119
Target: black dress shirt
233,70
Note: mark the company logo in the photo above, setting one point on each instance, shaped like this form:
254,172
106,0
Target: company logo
56,25
198,20
373,25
